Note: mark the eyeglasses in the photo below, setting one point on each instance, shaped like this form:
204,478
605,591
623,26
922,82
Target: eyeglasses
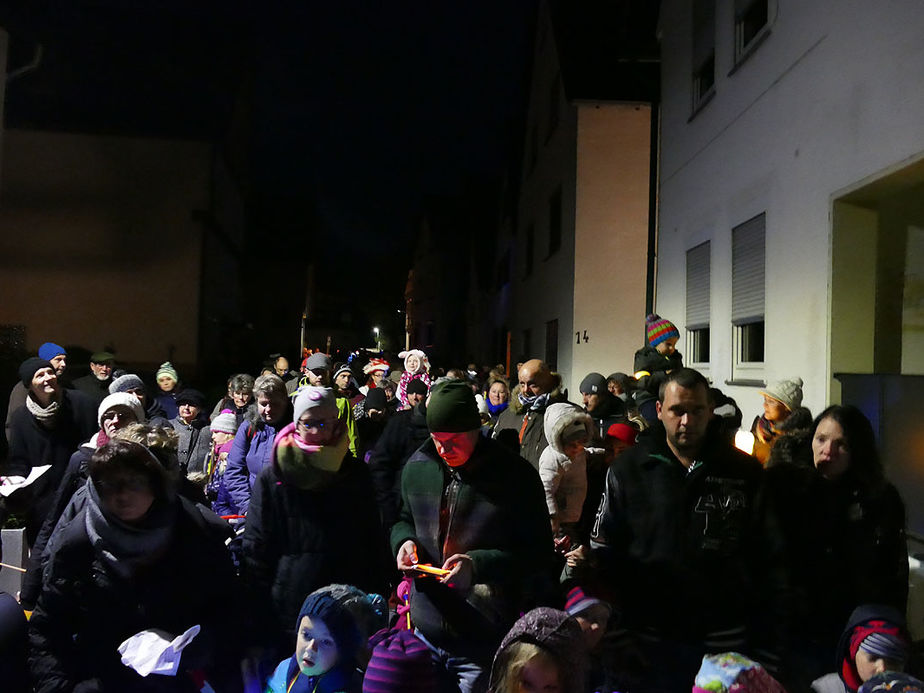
318,426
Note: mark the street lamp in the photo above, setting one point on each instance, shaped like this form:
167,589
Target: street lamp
378,344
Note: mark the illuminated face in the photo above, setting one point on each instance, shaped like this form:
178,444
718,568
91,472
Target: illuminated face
343,380
378,377
116,417
315,647
412,363
219,438
592,401
685,414
830,449
188,411
774,410
498,394
60,364
127,495
668,346
316,430
317,377
614,388
101,370
868,665
455,448
281,366
241,398
45,382
138,393
531,381
270,408
166,383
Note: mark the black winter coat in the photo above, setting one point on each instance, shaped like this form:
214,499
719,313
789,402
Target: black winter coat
86,610
405,432
32,445
297,541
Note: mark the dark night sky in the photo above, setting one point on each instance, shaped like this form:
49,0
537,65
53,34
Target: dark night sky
355,112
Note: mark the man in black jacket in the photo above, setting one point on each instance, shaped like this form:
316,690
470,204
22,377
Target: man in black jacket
679,539
603,407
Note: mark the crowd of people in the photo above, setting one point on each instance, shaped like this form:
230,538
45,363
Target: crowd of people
384,524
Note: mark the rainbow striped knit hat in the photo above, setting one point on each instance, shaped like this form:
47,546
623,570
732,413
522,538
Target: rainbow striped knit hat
658,329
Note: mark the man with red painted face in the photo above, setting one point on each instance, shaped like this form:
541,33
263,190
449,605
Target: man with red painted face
473,508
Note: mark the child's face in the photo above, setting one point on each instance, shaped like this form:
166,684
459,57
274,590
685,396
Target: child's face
220,438
539,676
413,363
869,665
315,648
593,623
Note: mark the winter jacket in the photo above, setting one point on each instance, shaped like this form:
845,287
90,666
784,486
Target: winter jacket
687,552
648,360
492,509
167,401
297,541
564,480
32,445
195,440
94,388
250,454
248,410
558,634
611,410
531,437
844,540
17,401
404,433
86,610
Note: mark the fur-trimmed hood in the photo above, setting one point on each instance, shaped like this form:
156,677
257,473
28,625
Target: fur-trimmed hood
561,416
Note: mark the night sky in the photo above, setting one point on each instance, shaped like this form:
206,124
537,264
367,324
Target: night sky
343,118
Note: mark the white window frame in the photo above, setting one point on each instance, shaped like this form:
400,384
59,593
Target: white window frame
749,258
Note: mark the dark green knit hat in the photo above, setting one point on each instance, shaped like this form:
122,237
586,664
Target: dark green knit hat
452,408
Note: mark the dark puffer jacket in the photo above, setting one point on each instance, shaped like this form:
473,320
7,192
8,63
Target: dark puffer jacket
298,540
657,365
557,633
86,610
493,509
510,423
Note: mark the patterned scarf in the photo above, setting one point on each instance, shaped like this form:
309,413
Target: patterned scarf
534,402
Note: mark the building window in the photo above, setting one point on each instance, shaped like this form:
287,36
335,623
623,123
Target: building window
527,343
698,296
551,344
555,222
554,91
752,18
748,281
703,51
530,250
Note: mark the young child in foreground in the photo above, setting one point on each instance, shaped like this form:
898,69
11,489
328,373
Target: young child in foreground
326,645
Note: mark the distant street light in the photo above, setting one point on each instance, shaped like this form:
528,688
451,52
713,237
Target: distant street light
378,344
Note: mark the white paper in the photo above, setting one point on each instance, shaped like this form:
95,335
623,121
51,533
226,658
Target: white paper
11,484
153,652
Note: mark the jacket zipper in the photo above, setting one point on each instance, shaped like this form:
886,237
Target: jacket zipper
452,496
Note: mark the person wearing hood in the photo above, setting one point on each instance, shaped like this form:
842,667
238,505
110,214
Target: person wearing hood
327,644
874,641
539,387
404,433
136,558
544,651
312,518
115,413
192,426
473,508
563,470
416,367
374,414
253,442
675,536
132,384
604,408
45,432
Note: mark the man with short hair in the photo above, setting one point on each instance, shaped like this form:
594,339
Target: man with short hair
679,540
54,354
522,422
474,509
603,407
96,384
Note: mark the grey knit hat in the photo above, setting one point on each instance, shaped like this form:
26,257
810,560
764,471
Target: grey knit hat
788,392
321,398
226,422
126,382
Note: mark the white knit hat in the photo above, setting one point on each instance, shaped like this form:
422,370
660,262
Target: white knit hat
124,399
788,392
